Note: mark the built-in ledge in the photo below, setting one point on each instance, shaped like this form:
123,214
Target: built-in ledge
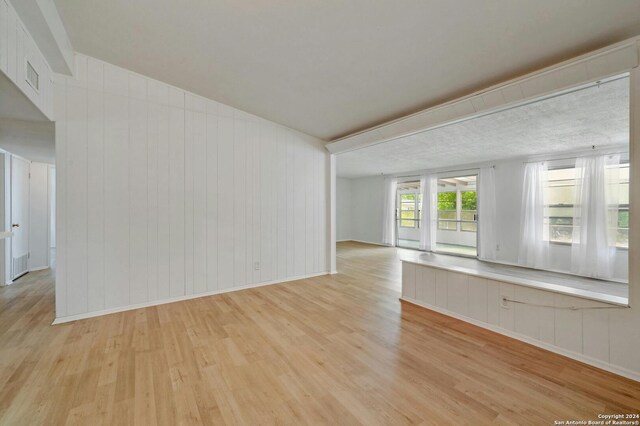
611,292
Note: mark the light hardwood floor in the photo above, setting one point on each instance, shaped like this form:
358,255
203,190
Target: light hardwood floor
335,350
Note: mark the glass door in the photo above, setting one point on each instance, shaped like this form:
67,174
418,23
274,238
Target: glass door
457,216
409,208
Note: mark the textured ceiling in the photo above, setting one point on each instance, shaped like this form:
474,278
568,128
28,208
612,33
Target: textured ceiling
594,116
331,67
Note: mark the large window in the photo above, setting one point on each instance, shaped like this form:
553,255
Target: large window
560,195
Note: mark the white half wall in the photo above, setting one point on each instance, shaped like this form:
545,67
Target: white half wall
39,216
163,195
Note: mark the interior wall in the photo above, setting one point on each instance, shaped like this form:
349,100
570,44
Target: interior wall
39,216
367,198
343,209
163,195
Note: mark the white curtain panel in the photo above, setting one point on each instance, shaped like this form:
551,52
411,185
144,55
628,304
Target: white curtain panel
487,213
595,216
389,212
428,223
533,247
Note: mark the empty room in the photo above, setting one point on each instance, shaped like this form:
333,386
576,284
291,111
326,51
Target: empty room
319,212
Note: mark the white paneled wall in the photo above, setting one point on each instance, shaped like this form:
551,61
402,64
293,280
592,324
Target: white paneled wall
163,195
590,335
17,48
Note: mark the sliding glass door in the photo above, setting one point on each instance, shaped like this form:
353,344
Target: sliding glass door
457,216
409,207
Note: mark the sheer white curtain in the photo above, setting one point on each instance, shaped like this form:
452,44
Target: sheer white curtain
487,213
429,191
595,216
533,246
389,212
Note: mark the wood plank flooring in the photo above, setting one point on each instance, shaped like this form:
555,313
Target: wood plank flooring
329,350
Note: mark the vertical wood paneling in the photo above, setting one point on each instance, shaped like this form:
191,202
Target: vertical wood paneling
595,326
299,209
457,293
171,194
77,174
200,230
225,239
116,199
290,173
568,324
281,158
441,288
212,147
189,135
478,298
95,186
60,113
409,280
138,235
239,204
176,197
153,118
426,285
325,246
250,202
164,255
506,314
493,302
308,208
266,204
257,200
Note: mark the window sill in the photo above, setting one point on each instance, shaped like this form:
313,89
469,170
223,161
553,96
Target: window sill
608,292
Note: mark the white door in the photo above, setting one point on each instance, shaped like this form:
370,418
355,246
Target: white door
19,217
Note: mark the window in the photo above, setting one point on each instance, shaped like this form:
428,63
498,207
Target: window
560,193
448,210
469,212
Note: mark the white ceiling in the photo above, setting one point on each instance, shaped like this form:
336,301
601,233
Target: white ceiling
331,67
33,140
574,121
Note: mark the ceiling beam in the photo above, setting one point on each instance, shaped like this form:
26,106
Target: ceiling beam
583,70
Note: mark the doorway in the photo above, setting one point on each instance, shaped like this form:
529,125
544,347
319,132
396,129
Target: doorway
457,227
19,217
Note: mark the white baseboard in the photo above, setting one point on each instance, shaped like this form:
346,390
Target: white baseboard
621,371
38,269
365,242
70,318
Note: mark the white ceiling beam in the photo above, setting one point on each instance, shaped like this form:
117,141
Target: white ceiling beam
600,64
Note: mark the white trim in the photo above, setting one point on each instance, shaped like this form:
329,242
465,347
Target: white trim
62,320
40,268
525,282
551,348
367,242
591,67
